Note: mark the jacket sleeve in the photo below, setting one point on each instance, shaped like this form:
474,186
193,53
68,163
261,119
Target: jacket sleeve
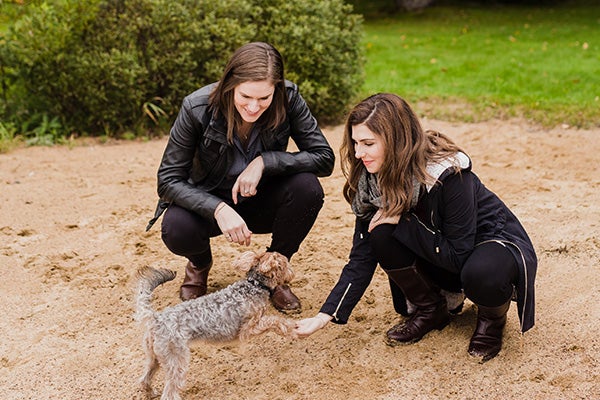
354,279
174,170
314,152
450,244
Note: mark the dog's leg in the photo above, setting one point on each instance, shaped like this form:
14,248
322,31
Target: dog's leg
151,364
256,326
175,359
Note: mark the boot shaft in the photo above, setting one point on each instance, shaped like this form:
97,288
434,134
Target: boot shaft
486,341
417,288
431,311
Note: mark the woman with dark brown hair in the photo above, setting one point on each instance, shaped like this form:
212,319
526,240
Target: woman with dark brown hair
434,228
226,169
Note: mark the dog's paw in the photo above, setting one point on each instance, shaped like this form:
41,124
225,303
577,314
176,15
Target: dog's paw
146,392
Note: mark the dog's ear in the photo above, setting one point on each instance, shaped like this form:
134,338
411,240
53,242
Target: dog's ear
246,261
288,273
286,268
268,262
277,264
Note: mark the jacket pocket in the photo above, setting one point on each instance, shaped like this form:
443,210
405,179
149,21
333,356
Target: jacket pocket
206,158
279,138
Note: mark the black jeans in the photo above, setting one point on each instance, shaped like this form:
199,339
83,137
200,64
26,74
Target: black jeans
285,206
487,277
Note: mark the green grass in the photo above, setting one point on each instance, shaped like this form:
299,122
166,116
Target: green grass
472,63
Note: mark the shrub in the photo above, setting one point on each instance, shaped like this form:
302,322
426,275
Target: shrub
104,67
320,42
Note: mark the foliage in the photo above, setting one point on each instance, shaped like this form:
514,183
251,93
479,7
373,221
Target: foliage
8,136
45,131
106,67
321,44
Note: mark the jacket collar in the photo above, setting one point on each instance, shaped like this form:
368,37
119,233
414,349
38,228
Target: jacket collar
437,169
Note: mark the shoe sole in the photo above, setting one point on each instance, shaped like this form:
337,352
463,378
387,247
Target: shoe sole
394,343
290,312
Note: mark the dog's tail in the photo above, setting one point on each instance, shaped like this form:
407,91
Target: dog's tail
149,279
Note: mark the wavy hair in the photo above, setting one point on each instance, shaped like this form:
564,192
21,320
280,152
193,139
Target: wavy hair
407,150
253,62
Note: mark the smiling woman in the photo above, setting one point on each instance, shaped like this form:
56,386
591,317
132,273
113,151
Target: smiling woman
251,99
438,233
368,148
226,169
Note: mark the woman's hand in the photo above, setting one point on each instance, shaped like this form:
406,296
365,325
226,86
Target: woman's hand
233,226
308,326
248,180
379,219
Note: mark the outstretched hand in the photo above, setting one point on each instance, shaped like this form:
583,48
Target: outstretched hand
308,326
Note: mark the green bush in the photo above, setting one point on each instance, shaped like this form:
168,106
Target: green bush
106,67
320,41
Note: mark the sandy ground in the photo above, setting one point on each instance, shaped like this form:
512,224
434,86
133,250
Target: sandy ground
72,235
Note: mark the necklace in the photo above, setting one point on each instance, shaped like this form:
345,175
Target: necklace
244,132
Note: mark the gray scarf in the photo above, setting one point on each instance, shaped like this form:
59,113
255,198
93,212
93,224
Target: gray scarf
368,196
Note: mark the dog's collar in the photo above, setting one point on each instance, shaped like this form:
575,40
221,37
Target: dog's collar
261,285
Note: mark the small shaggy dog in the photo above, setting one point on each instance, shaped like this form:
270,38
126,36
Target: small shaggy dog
235,312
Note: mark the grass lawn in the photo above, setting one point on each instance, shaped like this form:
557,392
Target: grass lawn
539,62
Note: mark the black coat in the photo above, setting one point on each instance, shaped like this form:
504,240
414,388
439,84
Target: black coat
463,213
198,156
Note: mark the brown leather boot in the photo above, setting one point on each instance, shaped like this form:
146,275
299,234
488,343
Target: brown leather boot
486,341
194,283
431,310
285,301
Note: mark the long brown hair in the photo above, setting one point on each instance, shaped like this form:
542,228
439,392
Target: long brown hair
407,150
253,62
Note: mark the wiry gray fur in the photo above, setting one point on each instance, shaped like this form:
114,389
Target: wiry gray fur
236,311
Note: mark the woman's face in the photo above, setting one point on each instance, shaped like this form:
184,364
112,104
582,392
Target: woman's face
368,147
252,98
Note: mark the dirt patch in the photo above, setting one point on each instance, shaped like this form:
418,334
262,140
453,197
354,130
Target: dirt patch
72,235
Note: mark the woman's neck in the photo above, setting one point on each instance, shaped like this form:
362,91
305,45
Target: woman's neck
244,131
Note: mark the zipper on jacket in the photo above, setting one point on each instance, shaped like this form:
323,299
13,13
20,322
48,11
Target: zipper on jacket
434,233
423,225
436,238
341,301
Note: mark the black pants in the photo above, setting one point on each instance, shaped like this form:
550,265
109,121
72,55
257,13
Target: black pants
285,206
487,277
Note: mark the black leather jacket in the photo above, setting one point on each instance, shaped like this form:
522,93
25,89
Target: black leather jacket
197,156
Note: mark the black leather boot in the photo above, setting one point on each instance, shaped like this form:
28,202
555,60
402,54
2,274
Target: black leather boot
400,305
195,282
431,310
486,341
